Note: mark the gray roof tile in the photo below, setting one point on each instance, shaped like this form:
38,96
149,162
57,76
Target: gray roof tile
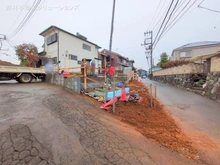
198,44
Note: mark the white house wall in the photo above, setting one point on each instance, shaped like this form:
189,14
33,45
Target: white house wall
51,49
69,44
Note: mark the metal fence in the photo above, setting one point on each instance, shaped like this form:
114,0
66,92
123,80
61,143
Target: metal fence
70,83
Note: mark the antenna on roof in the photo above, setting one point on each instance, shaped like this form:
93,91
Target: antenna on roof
81,36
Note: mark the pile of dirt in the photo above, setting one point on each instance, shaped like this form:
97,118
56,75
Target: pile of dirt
154,123
5,63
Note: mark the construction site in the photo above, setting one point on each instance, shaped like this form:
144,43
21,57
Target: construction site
130,101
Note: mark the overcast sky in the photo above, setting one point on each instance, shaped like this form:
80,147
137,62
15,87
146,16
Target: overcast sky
93,19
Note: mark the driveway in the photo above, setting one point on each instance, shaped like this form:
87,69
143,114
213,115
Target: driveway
45,124
198,117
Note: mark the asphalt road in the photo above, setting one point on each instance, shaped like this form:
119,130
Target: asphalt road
198,116
45,124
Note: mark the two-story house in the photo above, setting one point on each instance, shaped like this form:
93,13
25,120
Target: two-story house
117,60
68,50
192,50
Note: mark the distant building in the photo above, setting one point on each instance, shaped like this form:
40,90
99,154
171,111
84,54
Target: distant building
67,49
192,50
154,68
117,60
142,72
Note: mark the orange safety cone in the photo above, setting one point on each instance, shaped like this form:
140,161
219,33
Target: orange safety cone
123,94
108,105
140,100
140,80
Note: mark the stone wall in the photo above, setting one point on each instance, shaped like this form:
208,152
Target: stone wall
184,69
184,81
212,86
215,64
205,85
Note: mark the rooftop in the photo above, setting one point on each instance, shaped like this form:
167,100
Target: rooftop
199,44
51,28
106,52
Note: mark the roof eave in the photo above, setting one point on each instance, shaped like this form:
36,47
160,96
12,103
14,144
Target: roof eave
55,27
179,49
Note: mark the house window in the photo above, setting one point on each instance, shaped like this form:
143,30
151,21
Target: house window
73,57
86,47
118,59
79,62
51,39
185,54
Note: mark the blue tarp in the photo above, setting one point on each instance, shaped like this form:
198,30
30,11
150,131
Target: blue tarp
117,93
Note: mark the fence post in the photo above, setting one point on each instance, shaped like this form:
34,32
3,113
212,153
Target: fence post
151,102
104,70
85,82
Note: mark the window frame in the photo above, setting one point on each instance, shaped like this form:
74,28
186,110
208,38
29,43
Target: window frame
186,54
52,39
73,57
86,47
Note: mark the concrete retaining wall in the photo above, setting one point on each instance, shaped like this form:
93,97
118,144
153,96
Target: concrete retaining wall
70,83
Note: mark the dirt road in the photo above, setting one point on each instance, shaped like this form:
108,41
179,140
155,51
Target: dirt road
44,124
198,117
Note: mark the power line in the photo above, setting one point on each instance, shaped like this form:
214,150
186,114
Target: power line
167,21
216,11
28,21
179,13
177,19
152,20
163,21
11,45
201,2
161,15
17,17
181,3
26,18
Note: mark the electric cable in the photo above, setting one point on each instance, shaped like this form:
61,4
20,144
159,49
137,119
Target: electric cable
17,17
153,20
26,19
166,23
173,23
163,21
161,15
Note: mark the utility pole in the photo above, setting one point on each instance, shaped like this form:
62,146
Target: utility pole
2,38
110,49
112,28
148,44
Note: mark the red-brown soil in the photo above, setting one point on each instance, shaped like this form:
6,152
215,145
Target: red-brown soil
154,123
